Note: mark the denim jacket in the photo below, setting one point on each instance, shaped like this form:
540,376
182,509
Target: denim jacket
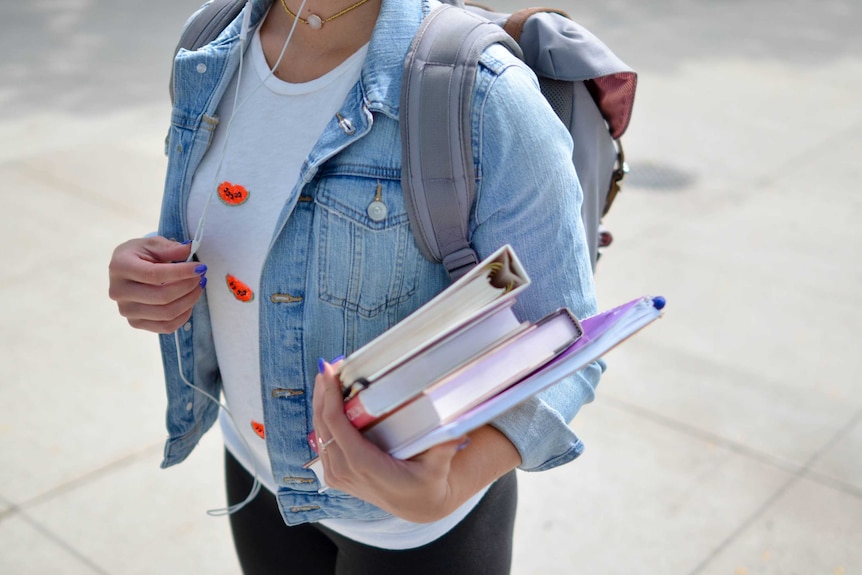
335,277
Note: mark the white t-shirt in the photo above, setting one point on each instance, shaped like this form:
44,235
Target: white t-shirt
245,194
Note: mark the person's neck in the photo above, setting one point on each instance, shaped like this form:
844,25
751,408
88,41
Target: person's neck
312,53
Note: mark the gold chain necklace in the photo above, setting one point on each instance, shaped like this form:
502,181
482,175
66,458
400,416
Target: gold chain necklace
314,21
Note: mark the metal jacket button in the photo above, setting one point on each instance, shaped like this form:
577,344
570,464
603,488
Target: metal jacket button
346,125
377,210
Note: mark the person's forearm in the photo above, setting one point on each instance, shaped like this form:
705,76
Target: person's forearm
489,456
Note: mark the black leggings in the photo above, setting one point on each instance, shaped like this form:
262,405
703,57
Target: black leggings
481,544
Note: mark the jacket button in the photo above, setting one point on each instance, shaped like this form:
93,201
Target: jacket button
282,392
297,480
284,298
346,125
377,211
201,68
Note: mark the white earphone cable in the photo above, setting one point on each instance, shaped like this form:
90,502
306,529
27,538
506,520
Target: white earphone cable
199,233
255,488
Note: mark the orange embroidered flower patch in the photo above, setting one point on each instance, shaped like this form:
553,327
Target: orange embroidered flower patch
240,290
258,429
232,194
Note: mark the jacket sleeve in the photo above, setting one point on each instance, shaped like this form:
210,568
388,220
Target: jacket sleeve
528,196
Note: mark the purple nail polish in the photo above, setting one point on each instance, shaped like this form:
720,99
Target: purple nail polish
463,445
203,282
321,364
337,359
185,243
201,269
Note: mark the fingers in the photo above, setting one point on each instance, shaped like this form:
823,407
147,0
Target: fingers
152,261
328,403
161,327
161,249
347,455
154,295
162,318
325,440
152,292
317,397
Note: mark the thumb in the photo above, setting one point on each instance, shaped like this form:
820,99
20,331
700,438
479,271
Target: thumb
161,249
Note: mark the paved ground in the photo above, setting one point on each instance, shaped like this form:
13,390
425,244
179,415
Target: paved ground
726,440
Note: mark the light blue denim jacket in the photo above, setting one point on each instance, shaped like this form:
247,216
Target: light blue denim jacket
334,278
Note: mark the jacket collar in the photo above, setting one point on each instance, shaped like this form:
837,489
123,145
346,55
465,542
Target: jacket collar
381,75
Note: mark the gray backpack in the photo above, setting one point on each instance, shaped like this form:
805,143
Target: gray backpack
590,89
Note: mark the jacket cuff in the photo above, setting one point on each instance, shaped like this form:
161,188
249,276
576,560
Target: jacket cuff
540,432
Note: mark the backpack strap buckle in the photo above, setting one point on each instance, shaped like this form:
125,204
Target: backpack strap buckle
460,262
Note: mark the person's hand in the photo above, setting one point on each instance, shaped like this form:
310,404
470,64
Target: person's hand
154,287
418,489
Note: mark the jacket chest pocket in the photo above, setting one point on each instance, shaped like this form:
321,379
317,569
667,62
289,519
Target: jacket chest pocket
367,259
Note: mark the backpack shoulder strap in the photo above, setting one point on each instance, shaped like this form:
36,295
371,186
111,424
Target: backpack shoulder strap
438,174
205,25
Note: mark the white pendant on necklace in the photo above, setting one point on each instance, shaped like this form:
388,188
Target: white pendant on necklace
314,21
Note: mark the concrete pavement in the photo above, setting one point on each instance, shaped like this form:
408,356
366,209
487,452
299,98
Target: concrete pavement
725,440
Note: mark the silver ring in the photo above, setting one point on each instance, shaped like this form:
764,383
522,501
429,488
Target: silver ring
322,445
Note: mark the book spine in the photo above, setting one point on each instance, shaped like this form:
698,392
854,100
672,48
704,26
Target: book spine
357,414
414,375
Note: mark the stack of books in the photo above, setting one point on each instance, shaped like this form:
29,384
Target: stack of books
464,358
